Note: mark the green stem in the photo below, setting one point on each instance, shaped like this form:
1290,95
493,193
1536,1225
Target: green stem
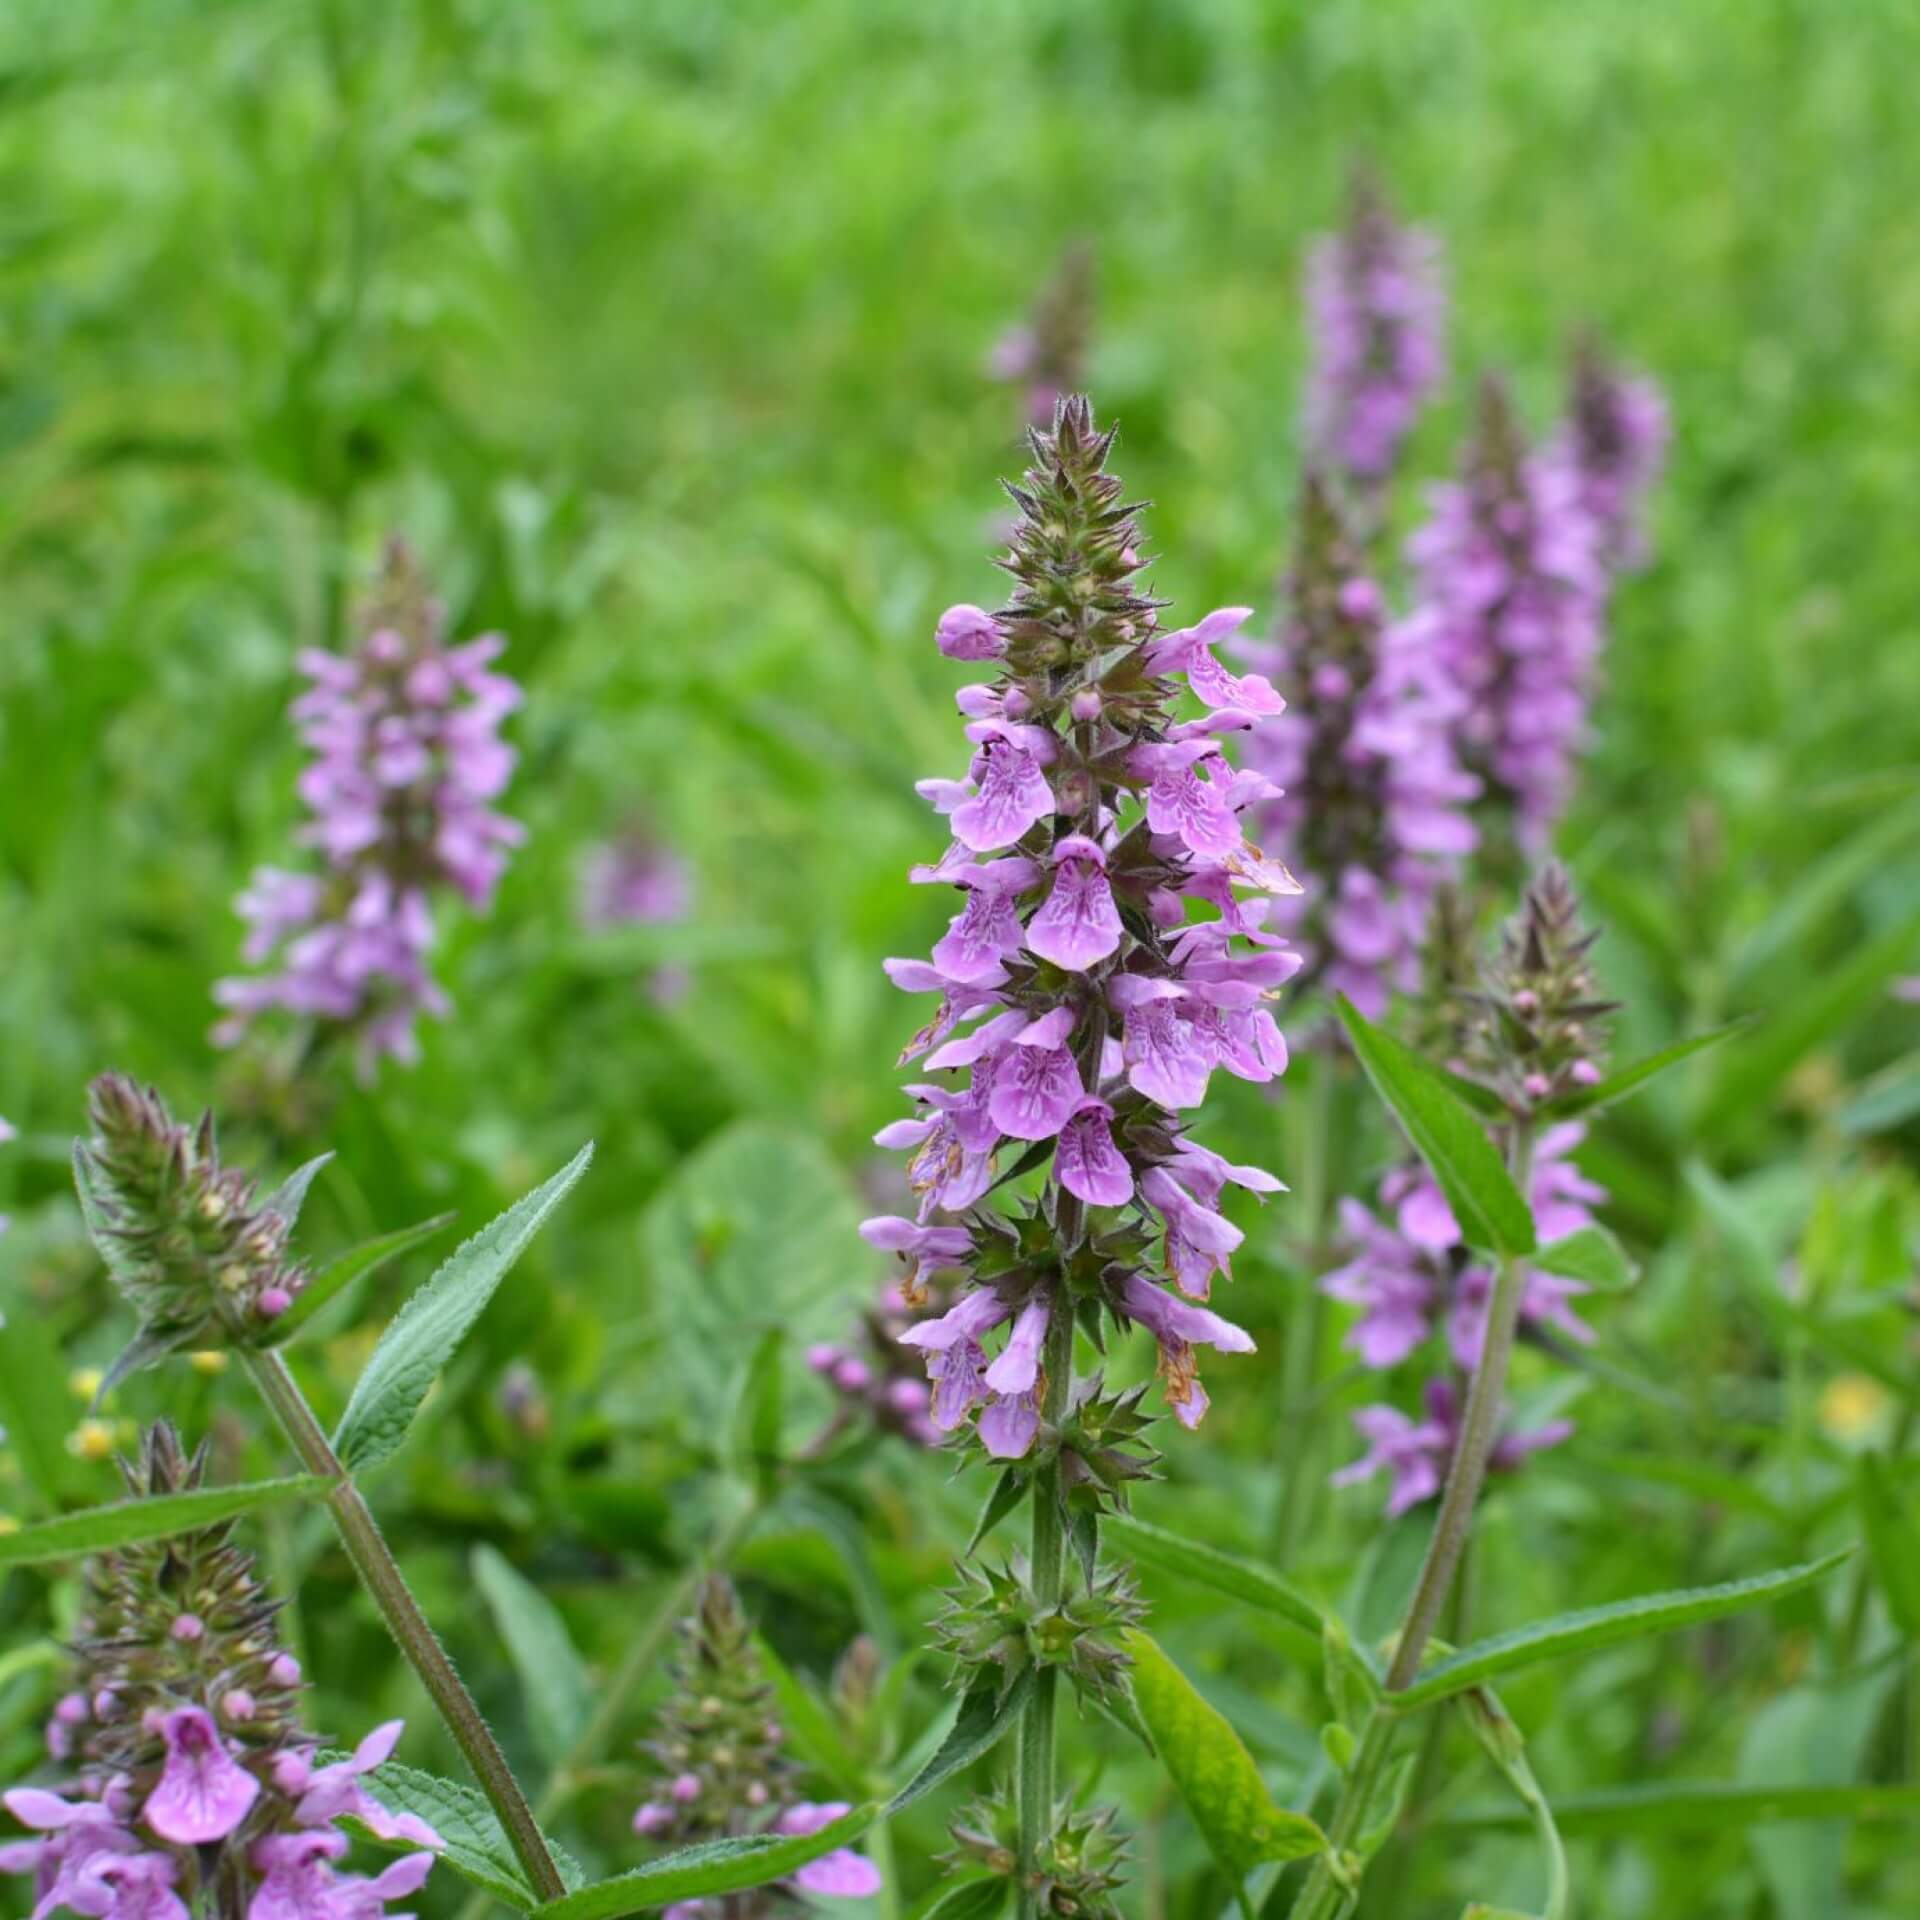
374,1562
1035,1754
1323,1897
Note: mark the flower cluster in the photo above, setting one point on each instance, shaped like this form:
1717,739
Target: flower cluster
199,1256
1372,803
875,1382
1048,356
723,1768
1611,445
408,759
1532,1032
1377,307
1084,1003
1510,589
185,1765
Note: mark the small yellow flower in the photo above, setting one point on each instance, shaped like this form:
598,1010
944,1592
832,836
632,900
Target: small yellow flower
91,1440
208,1360
84,1383
1852,1407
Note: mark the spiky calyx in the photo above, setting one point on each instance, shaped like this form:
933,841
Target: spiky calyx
1077,1865
181,1621
992,1620
187,1241
720,1748
1538,1029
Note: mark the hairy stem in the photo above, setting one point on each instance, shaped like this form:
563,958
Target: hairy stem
1034,1758
374,1562
1323,1897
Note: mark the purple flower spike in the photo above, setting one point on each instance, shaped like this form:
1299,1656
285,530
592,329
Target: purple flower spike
203,1792
1090,1166
1378,311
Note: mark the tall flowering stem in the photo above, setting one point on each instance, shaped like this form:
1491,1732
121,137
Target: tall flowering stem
408,760
1047,357
1103,963
197,1259
1510,589
1612,445
1377,306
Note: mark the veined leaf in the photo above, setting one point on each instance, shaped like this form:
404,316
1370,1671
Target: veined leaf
720,1866
758,1412
1215,1774
1302,1621
1607,1626
1631,1079
984,1716
97,1528
1893,1540
1590,1254
433,1322
552,1680
1450,1139
1701,1806
368,1257
474,1844
93,1214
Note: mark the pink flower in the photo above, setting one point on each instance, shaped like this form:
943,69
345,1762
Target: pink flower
841,1874
204,1793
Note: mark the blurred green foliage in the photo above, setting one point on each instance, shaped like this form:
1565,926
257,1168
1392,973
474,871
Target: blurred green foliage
660,329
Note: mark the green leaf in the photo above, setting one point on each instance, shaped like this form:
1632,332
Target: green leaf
758,1412
1893,1540
979,1725
36,1408
476,1847
720,1866
96,1528
93,1214
1606,1626
1303,1623
1489,1207
1008,1491
1590,1254
1890,1099
1631,1079
553,1682
1700,1806
358,1262
979,1898
433,1322
811,1730
290,1195
1213,1771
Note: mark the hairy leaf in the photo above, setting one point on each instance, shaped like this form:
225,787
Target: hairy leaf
984,1716
359,1261
97,1528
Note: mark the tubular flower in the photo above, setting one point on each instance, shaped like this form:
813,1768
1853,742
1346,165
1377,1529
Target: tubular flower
873,1380
1377,306
1510,588
1083,1003
1371,802
1047,357
189,1767
408,760
723,1767
1611,446
1415,1454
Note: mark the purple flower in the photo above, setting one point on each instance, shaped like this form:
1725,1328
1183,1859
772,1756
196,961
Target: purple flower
408,760
1377,312
1510,589
1086,1008
1370,802
968,633
298,1882
841,1874
1415,1454
1611,447
204,1793
1179,1328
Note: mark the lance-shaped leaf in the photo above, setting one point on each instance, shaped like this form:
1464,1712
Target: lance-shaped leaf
1448,1137
552,1680
474,1845
97,1528
434,1321
290,1195
758,1411
358,1262
718,1867
1213,1771
983,1718
1594,1627
1701,1806
980,1898
1589,1254
1617,1086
